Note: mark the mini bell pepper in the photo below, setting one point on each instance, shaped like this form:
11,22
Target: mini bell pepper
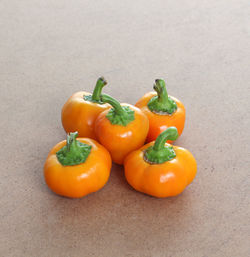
81,109
163,111
160,169
121,129
75,168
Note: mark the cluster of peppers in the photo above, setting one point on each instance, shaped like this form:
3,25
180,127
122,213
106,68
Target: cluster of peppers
109,131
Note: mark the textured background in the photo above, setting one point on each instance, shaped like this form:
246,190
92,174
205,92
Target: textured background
50,49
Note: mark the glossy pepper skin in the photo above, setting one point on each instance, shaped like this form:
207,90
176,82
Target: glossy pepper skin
73,172
159,169
81,109
163,111
121,129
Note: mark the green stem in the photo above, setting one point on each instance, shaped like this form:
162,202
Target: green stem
170,133
116,105
74,152
159,153
161,90
95,97
71,141
101,82
118,115
162,102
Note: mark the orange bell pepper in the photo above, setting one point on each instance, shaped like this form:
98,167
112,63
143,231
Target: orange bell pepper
81,109
159,169
121,129
75,168
163,111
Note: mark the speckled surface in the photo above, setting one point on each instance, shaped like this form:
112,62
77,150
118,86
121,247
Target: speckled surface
51,49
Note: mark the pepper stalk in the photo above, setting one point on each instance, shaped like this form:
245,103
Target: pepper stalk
74,152
161,103
159,153
118,115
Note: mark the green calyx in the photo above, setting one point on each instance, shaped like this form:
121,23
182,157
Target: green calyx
74,152
118,115
159,153
95,97
162,103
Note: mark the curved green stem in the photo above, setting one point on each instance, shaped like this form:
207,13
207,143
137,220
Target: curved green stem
95,97
101,82
161,90
116,105
170,133
118,115
74,152
162,102
159,153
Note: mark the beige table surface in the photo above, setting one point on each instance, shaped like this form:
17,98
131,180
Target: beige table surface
51,49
